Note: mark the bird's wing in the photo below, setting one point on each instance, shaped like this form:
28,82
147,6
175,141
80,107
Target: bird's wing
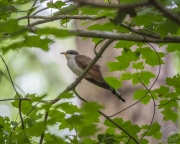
83,61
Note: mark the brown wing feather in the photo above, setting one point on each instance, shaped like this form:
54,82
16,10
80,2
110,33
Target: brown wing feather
83,61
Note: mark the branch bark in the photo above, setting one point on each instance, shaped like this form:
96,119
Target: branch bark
122,36
112,6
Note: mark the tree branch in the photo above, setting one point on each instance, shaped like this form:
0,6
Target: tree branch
112,6
28,14
40,10
49,19
122,36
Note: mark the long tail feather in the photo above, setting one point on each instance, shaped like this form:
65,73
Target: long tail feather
117,94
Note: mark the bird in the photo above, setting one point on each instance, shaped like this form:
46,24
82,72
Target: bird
77,64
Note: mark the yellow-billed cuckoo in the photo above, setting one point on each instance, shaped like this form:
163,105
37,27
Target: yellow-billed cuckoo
77,63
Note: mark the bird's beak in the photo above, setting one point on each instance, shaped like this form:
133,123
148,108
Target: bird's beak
64,53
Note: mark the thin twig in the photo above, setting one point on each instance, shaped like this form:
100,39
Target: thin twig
28,14
45,119
118,126
49,19
95,52
128,140
40,11
154,111
19,105
20,121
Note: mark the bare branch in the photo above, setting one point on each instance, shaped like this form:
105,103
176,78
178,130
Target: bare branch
40,11
113,6
122,36
49,19
28,14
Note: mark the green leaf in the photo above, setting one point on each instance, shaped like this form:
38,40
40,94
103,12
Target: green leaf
169,114
173,81
172,47
37,129
88,130
118,66
131,129
64,125
10,26
167,27
128,55
110,131
75,120
70,10
51,138
126,76
87,10
114,82
68,108
155,131
55,116
144,141
147,20
163,91
139,94
29,41
106,138
138,65
26,107
92,106
174,138
36,41
167,104
145,77
59,33
88,141
56,5
122,44
151,57
66,95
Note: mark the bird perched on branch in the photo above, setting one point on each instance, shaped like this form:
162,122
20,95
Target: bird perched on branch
78,63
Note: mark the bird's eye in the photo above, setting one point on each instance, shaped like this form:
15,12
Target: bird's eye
71,52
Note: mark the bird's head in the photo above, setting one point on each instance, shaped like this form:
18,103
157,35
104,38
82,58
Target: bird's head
70,53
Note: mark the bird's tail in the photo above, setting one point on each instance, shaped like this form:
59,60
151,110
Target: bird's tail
117,94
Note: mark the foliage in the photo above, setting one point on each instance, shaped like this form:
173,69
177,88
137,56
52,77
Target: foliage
148,22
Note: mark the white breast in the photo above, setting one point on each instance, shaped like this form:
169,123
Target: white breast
73,66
